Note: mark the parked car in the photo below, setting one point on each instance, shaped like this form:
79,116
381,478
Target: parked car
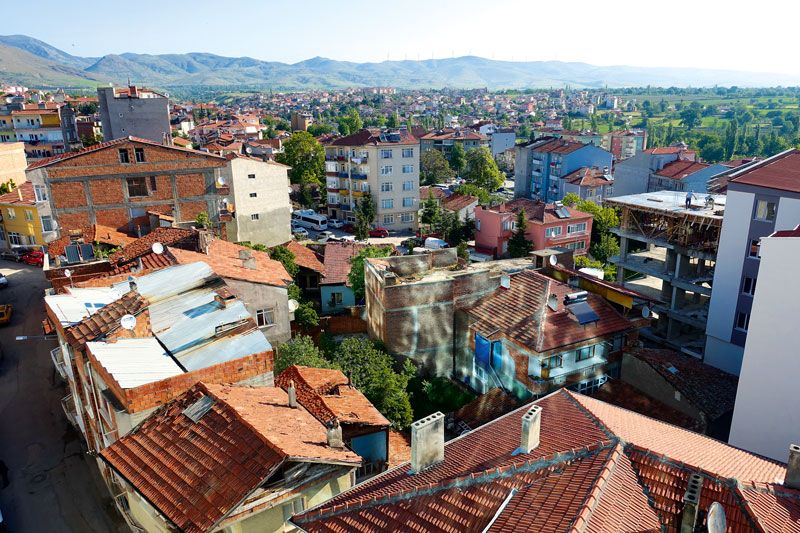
324,236
15,254
300,233
432,243
35,258
335,223
412,242
3,281
5,313
379,232
349,228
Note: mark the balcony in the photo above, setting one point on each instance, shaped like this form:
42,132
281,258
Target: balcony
68,405
342,174
58,362
358,176
345,207
360,193
359,160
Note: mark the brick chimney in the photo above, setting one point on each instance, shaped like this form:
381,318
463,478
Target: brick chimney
335,434
292,392
691,502
427,442
792,479
531,428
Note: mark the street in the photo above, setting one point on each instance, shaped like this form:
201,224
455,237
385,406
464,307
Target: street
53,485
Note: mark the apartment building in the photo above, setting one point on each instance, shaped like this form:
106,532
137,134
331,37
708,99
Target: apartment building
42,132
21,224
622,144
134,112
540,164
590,183
633,176
384,164
762,198
444,140
12,162
117,183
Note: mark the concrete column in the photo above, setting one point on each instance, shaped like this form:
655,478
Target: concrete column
623,255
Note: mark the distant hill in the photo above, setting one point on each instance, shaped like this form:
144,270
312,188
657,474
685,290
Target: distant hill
196,69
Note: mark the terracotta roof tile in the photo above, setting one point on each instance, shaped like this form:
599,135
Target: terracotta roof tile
588,177
399,448
327,395
13,197
337,261
424,193
105,320
559,146
305,257
781,172
93,233
457,202
680,169
165,235
540,212
372,137
485,408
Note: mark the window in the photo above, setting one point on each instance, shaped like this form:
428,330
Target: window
251,176
28,215
408,185
388,203
408,169
254,216
137,187
40,192
584,353
139,153
577,245
14,238
253,194
124,156
153,186
11,214
47,223
386,154
293,508
742,321
408,201
513,225
619,342
31,239
2,234
336,298
749,286
386,187
551,362
408,152
506,225
765,210
478,225
576,228
552,232
407,217
265,317
755,249
388,220
386,171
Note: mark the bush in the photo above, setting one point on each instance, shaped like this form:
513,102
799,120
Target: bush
300,351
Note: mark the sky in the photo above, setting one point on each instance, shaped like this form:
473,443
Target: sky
736,35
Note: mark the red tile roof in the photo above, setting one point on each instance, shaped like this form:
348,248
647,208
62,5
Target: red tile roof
522,314
223,258
598,468
588,177
167,236
603,283
337,261
485,408
424,193
680,169
327,395
105,320
305,257
399,448
94,233
467,135
787,233
195,473
781,172
13,198
559,146
667,150
539,212
457,202
372,137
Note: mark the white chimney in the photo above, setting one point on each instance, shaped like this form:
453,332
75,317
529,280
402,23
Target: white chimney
691,502
792,479
427,442
531,428
335,434
552,302
292,392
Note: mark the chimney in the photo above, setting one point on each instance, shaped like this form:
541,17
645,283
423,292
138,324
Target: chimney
335,434
245,254
132,284
531,426
204,239
792,479
139,264
249,263
552,302
427,442
19,193
691,502
292,392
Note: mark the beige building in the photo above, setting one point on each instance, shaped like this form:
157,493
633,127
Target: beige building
301,121
12,163
384,164
261,207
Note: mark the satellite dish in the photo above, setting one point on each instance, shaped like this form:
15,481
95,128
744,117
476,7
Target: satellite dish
128,322
553,260
716,519
248,150
231,208
68,273
221,181
157,248
645,312
293,305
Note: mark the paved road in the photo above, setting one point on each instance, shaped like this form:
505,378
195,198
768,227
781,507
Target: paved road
54,486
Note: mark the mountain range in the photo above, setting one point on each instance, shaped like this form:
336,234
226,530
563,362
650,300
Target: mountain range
33,62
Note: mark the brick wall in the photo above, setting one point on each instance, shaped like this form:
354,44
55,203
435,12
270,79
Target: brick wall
191,185
104,191
190,210
113,218
67,195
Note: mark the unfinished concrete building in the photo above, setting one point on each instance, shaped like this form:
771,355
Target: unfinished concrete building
668,251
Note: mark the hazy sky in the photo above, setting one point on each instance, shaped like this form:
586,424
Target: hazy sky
753,36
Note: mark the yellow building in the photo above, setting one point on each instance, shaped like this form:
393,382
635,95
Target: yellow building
21,224
7,133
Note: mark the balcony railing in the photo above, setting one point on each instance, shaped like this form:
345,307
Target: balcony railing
358,176
58,361
345,207
359,159
360,193
68,405
342,174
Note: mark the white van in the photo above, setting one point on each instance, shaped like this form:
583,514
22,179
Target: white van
432,243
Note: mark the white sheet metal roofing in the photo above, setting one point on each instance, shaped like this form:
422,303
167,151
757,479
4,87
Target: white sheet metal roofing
135,362
80,303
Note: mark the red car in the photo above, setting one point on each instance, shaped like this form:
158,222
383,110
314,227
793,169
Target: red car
349,228
33,258
379,232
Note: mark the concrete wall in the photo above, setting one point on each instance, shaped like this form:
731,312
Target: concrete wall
271,203
766,419
257,296
500,142
147,118
12,163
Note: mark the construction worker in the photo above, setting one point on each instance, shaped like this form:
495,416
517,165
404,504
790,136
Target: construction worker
689,196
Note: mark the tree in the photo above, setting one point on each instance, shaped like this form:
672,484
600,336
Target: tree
351,122
473,190
365,214
482,169
319,129
371,371
89,108
305,316
286,257
356,275
434,168
300,351
393,121
571,199
608,246
712,152
458,158
690,118
462,252
202,220
306,156
731,138
430,210
518,245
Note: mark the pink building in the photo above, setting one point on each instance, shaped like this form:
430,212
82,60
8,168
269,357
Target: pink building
550,226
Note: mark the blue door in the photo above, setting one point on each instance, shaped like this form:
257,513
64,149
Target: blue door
497,355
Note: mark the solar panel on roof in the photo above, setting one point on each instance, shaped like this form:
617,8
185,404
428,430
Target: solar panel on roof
583,312
87,252
73,256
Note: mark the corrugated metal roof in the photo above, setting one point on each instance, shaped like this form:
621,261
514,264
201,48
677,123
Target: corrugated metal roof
134,362
80,303
169,282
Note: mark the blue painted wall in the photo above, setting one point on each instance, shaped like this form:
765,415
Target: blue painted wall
371,447
348,298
